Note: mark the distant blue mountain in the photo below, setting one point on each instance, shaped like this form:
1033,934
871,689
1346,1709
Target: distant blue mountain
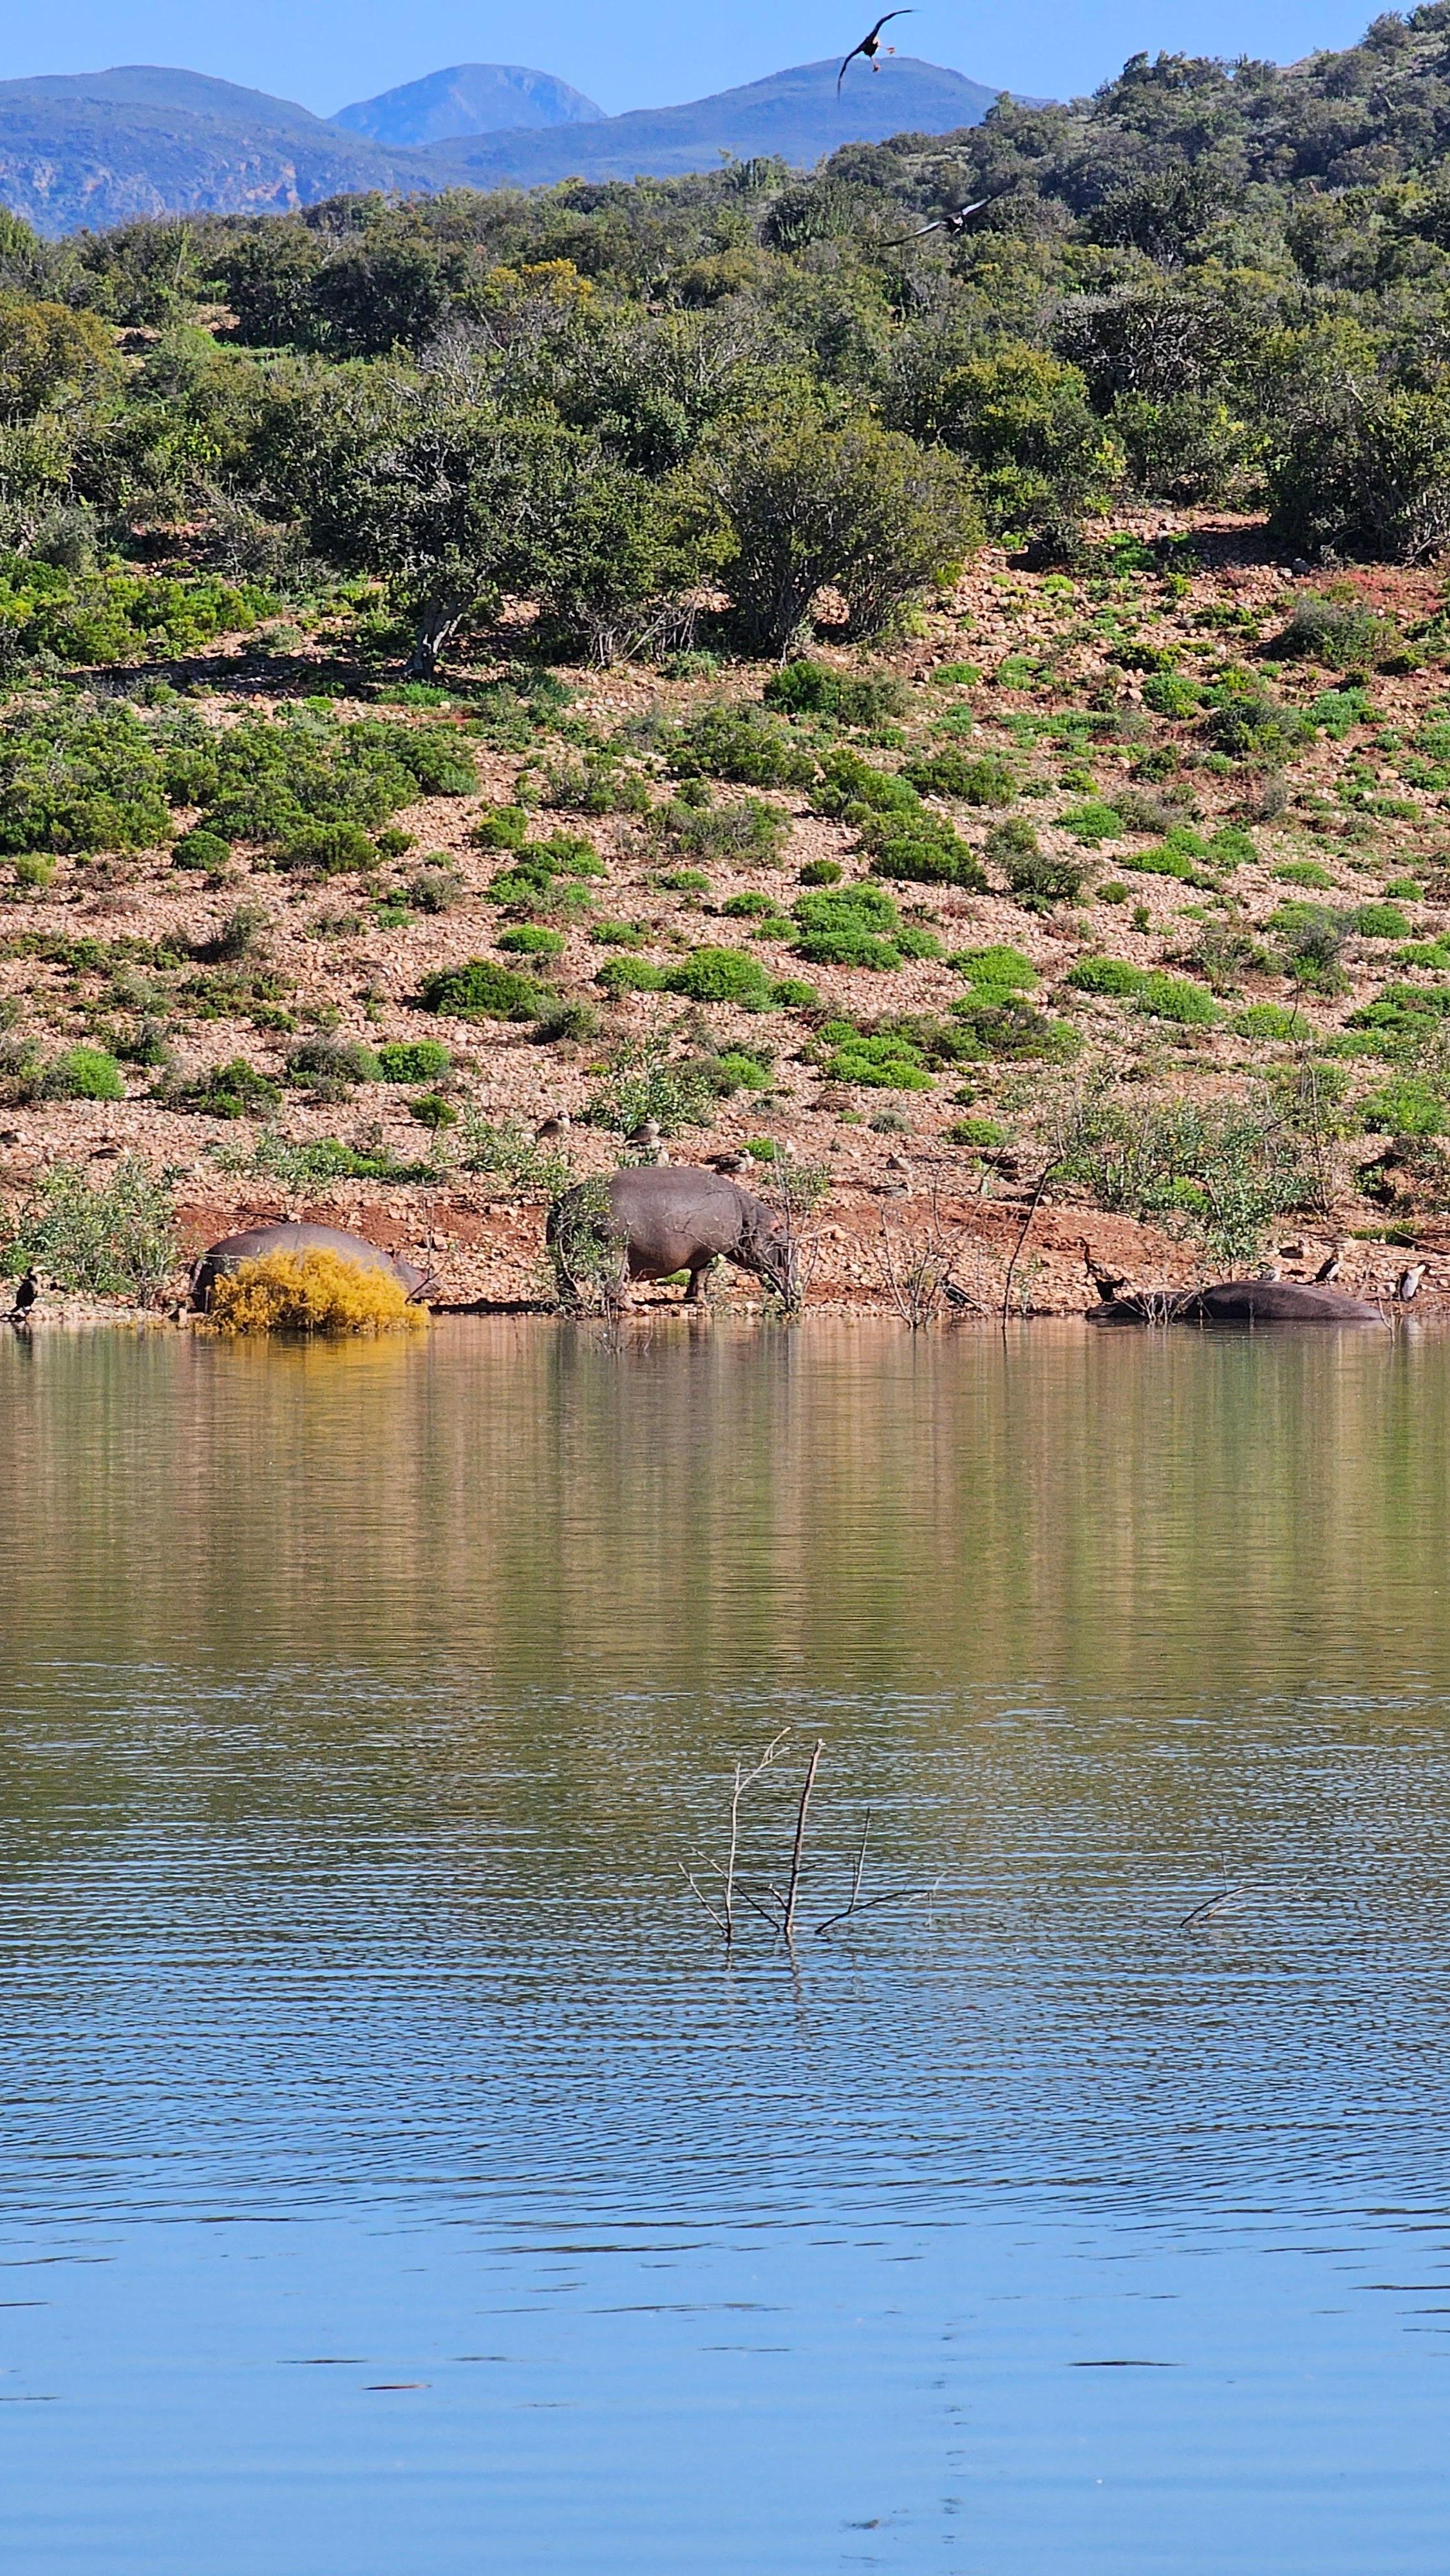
472,98
99,148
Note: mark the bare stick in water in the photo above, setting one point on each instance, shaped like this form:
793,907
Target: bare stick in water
860,1864
897,1896
1210,1905
788,1927
743,1780
1037,1198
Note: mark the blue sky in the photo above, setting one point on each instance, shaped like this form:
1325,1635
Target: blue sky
636,53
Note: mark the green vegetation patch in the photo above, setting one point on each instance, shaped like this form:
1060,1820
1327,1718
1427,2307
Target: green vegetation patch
481,990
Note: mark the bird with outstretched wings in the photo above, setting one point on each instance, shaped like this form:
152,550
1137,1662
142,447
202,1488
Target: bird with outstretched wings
951,223
870,46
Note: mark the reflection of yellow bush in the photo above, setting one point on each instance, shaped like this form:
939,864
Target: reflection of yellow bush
312,1292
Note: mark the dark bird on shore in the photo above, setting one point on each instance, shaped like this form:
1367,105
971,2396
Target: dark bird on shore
953,224
1108,1283
1329,1270
25,1297
870,46
731,1165
1407,1286
551,1129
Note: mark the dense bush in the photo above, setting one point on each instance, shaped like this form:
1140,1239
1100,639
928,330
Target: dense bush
481,990
804,687
81,776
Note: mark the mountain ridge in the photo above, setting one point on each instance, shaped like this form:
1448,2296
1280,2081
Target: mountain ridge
466,99
145,141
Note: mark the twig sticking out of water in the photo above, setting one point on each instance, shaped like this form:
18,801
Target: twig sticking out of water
788,1927
1209,1906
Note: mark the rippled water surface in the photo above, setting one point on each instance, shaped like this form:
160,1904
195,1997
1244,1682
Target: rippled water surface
395,2177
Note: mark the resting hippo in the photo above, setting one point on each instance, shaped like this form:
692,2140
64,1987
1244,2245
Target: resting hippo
281,1236
683,1218
1239,1301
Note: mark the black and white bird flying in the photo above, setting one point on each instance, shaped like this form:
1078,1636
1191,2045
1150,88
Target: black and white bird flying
951,224
870,46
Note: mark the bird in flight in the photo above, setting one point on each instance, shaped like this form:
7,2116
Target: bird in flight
951,224
870,46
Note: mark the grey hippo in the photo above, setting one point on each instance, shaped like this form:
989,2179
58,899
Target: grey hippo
684,1218
284,1235
1238,1301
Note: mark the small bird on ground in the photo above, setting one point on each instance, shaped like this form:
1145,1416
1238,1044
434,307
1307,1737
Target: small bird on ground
729,1165
553,1128
952,224
1108,1283
1269,1270
870,46
648,1143
1407,1286
25,1296
1329,1270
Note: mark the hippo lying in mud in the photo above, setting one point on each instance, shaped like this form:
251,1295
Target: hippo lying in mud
1238,1301
259,1240
680,1218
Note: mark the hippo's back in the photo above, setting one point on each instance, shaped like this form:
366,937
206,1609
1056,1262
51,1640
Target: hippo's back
1276,1301
680,1196
257,1241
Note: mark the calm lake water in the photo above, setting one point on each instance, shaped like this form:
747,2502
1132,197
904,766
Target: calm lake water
395,2177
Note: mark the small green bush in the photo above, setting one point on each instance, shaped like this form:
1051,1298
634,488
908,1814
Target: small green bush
1011,1029
328,850
1269,1020
1173,997
432,1110
115,1239
233,1090
1166,693
206,851
971,779
566,1023
804,687
921,849
1115,976
1379,921
1343,634
850,788
1092,822
791,993
631,975
879,1063
739,742
1306,872
480,990
83,1073
721,975
995,970
1039,881
78,777
332,1063
1411,1105
746,834
1162,862
982,1132
531,939
500,827
413,1060
750,907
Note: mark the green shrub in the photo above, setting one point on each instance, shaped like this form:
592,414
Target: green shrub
745,834
1336,712
739,742
1306,872
995,970
1162,862
850,788
270,780
332,1064
1411,1105
500,827
1001,1025
1310,940
1222,1169
202,850
631,975
560,1023
1269,1020
232,1090
1168,694
1379,921
328,850
921,849
879,1063
971,780
791,993
812,688
432,1110
1173,997
480,990
981,1132
413,1060
684,881
77,776
83,1073
115,1239
1344,634
721,975
750,907
434,890
1092,822
1114,976
531,939
1039,881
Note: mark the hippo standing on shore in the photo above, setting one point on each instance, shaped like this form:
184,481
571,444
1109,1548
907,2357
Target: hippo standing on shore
283,1236
1238,1301
683,1218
